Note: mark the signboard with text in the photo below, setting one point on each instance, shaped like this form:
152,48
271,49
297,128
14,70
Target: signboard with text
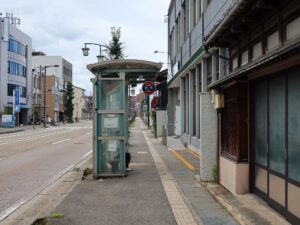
148,87
17,100
7,121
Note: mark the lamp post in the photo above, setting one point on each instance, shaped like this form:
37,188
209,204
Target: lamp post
85,51
45,74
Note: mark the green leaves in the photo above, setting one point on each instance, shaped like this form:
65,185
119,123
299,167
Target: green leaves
69,106
116,47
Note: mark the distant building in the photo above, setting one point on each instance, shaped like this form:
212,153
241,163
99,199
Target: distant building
87,111
52,97
79,102
15,67
63,74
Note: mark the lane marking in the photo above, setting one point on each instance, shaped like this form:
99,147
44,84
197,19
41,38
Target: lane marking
142,152
24,200
61,141
183,160
192,153
87,154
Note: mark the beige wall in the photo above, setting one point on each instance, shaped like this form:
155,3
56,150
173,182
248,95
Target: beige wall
234,176
78,102
49,96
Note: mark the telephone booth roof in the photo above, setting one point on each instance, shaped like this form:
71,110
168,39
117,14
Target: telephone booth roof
135,69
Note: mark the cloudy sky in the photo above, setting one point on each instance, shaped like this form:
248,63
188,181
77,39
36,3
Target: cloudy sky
60,28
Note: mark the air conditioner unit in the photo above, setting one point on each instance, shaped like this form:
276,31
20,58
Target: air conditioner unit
219,101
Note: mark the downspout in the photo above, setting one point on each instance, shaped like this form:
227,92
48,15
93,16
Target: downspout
218,146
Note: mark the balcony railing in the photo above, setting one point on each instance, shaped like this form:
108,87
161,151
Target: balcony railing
215,13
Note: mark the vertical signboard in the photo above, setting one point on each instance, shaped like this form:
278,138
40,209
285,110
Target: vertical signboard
17,100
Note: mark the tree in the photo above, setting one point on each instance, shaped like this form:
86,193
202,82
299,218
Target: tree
116,47
69,106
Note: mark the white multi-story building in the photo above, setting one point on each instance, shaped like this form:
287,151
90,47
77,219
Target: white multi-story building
15,67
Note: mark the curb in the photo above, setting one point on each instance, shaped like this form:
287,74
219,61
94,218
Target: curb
11,131
231,210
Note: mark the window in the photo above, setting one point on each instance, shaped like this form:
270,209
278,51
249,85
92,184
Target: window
200,77
16,47
292,29
12,87
194,103
273,41
257,51
293,132
209,70
16,69
245,58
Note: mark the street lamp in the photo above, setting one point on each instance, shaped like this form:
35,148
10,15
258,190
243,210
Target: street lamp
156,51
85,51
45,74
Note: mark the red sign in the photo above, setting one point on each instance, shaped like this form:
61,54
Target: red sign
148,87
154,102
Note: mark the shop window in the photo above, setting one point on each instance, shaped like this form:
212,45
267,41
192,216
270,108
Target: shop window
277,124
294,126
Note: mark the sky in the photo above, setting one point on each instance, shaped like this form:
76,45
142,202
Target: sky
59,28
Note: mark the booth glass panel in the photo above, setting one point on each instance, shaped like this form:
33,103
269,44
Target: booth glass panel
111,157
111,95
111,124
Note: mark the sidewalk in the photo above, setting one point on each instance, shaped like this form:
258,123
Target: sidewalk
160,190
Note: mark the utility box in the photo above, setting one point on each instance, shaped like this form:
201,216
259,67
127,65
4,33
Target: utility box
219,101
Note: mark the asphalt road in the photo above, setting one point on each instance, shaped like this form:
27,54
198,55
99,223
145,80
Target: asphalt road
30,160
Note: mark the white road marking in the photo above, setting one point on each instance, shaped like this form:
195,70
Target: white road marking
87,154
142,152
0,159
61,141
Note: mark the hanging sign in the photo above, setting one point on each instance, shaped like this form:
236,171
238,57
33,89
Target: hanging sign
148,87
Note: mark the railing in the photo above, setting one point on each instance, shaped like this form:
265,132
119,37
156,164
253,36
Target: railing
213,15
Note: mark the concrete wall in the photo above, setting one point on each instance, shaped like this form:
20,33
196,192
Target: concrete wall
208,143
234,176
160,121
78,102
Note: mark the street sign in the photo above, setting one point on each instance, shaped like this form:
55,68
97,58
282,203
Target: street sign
17,98
148,87
17,108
